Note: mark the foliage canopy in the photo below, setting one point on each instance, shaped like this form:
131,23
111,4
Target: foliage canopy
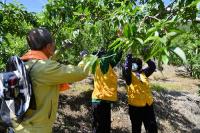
145,28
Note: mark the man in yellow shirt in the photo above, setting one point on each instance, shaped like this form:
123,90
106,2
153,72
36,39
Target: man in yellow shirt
46,76
140,99
105,90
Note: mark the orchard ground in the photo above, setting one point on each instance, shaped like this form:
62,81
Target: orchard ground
177,105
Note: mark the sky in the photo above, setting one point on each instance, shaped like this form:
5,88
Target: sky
37,5
31,5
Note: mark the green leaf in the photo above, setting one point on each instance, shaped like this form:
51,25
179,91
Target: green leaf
136,9
166,51
173,34
113,45
119,45
140,40
88,62
152,38
178,51
104,65
77,13
151,31
165,59
194,3
94,66
127,31
170,34
133,29
163,40
1,18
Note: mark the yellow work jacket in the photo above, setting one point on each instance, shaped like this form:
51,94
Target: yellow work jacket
105,85
46,76
139,93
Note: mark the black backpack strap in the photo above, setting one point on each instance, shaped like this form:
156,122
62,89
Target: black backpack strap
32,101
32,104
32,66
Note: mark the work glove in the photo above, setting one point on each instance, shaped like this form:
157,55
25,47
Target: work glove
67,44
128,62
83,53
100,53
127,69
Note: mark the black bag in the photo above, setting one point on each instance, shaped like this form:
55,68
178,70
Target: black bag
16,93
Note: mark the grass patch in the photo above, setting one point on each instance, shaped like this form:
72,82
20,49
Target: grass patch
157,87
171,86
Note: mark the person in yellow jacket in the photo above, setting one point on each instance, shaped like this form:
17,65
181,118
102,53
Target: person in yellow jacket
47,77
140,99
105,90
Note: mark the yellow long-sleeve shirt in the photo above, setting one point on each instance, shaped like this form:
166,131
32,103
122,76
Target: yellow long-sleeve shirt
105,85
139,92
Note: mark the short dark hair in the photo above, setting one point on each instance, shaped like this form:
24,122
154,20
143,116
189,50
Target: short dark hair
38,38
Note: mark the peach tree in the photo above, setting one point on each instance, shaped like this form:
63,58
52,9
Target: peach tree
145,28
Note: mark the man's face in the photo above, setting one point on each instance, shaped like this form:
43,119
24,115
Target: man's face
50,49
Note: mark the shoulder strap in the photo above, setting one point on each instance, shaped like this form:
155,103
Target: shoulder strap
32,104
32,66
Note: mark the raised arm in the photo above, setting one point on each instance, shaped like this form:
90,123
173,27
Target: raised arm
114,60
126,70
108,58
150,69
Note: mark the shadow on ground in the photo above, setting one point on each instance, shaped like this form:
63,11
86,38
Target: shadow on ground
164,111
74,113
67,122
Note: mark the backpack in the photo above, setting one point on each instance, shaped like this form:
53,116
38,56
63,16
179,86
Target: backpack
16,93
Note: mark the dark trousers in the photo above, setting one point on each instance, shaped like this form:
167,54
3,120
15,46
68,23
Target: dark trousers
145,115
101,117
